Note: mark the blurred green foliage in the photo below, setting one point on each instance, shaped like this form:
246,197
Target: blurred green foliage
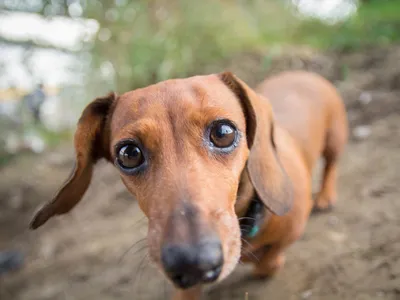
144,41
150,41
376,23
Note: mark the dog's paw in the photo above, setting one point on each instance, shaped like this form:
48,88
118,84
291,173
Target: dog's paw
325,209
323,203
269,269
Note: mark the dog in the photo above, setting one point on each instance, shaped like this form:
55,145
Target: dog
212,163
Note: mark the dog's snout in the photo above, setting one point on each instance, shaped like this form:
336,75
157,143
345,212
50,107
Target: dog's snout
188,265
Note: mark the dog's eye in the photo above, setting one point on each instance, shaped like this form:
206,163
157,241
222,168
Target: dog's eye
223,134
130,156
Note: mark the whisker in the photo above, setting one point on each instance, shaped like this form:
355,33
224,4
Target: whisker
140,220
246,218
247,228
247,242
130,248
141,249
140,269
246,225
248,251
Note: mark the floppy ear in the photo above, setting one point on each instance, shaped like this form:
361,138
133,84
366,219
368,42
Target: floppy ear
266,173
91,143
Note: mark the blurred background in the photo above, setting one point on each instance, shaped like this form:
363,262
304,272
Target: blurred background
57,55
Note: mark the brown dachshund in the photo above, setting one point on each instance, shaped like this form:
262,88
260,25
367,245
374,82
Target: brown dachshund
204,156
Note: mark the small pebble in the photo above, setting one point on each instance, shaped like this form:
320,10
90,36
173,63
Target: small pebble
306,294
380,294
365,98
362,132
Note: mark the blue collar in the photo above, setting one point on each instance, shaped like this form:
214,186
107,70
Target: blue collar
250,223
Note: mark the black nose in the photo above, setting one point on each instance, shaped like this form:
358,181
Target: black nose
188,265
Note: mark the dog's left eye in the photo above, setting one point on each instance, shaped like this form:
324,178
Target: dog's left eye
130,156
223,134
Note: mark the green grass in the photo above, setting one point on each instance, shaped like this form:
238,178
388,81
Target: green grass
155,40
377,23
150,43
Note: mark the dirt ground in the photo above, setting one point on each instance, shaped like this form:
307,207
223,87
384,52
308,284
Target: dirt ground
98,251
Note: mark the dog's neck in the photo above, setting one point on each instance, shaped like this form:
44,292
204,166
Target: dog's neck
252,220
250,210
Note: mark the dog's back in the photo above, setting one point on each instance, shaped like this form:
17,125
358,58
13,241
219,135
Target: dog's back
309,108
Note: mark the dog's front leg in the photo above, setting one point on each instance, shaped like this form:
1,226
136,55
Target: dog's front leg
193,293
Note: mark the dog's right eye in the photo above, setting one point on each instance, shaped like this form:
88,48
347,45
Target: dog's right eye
223,134
130,156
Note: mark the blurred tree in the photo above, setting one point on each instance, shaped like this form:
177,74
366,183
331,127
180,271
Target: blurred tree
143,41
148,41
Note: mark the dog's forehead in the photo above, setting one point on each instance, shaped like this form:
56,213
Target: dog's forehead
176,98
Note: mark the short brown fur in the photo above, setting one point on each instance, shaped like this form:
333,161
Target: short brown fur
284,127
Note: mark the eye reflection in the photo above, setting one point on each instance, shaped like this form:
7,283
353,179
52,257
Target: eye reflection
223,134
130,156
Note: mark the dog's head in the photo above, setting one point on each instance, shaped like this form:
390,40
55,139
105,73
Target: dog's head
181,147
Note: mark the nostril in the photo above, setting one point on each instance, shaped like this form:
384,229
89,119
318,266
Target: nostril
181,280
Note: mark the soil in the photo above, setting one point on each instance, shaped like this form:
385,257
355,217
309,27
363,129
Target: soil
98,251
